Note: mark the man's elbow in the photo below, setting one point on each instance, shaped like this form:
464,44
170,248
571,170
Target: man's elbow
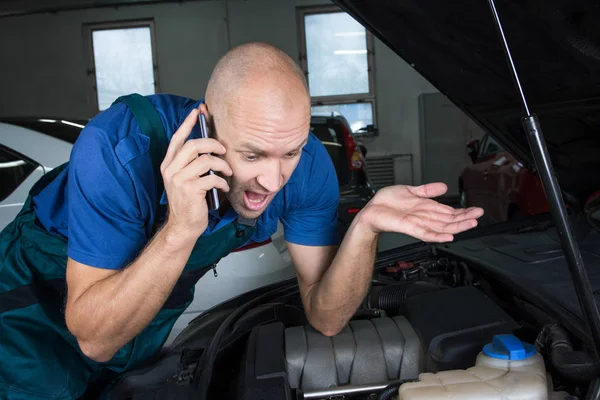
92,348
327,328
324,323
330,331
95,351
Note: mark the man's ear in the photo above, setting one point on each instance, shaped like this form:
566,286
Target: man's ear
209,121
203,109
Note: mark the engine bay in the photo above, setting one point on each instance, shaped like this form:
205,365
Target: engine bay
423,316
420,333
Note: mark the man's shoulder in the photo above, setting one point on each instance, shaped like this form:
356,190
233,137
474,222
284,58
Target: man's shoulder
315,162
117,121
315,175
314,147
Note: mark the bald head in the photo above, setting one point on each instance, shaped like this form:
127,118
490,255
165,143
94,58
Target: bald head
255,70
258,108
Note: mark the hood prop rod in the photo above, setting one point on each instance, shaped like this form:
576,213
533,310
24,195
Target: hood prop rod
558,210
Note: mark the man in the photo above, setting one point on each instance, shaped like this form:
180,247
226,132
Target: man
130,270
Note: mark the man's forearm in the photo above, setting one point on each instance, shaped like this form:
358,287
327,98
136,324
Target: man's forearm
337,296
113,311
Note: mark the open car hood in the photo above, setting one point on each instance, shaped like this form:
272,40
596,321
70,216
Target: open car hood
555,46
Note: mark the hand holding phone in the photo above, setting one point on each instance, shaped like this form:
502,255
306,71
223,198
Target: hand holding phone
212,197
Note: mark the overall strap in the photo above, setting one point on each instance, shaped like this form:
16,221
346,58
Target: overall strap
151,125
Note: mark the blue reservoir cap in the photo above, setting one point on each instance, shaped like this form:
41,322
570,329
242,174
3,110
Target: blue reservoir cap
508,347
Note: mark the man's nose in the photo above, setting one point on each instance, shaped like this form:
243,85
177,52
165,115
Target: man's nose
271,177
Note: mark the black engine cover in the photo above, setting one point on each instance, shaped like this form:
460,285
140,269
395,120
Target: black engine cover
454,325
263,375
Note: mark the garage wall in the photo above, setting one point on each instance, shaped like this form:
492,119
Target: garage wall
44,61
43,67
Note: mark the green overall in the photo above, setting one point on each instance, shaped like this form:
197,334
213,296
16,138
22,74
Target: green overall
39,357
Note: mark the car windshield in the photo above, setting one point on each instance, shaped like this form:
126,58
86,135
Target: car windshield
331,133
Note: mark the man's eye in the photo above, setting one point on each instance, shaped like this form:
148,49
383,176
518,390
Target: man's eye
251,157
292,154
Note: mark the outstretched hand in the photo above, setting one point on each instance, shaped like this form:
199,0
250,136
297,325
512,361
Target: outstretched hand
411,210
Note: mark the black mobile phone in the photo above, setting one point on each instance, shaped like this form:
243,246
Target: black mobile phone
212,197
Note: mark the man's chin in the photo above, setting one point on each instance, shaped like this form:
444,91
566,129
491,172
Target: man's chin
248,214
243,211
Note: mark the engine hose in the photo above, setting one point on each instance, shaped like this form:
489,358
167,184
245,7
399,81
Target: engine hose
204,369
391,390
579,366
594,390
391,297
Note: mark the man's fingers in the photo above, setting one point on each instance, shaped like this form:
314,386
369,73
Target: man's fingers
434,237
390,221
439,216
457,213
441,226
432,205
422,233
179,137
471,212
190,150
202,164
429,190
474,212
209,182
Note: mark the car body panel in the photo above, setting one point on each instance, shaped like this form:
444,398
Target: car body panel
10,207
239,272
43,149
46,154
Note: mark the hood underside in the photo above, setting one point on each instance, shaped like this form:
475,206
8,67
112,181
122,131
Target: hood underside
555,45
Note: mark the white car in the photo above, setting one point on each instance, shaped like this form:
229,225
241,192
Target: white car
31,147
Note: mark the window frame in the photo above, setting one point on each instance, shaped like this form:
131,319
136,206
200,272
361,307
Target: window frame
486,152
22,157
90,28
355,98
482,146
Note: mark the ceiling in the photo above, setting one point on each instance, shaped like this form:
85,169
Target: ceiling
24,7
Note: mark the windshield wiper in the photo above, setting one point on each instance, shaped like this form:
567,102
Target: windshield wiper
558,210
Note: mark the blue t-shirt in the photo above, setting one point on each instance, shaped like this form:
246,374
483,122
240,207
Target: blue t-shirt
104,201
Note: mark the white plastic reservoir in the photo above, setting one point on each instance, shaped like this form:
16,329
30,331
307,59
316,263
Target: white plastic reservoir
506,369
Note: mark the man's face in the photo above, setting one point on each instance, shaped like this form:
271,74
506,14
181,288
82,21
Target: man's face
264,144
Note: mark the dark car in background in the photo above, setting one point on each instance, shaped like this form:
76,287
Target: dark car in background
348,157
499,183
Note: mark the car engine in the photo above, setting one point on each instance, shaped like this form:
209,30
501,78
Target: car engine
430,327
436,331
421,332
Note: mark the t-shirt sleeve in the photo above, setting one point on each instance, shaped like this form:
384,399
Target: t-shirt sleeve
106,228
313,221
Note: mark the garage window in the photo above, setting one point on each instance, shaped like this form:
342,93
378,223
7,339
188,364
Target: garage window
337,58
122,60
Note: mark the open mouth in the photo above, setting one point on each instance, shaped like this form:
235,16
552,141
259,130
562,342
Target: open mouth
255,201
